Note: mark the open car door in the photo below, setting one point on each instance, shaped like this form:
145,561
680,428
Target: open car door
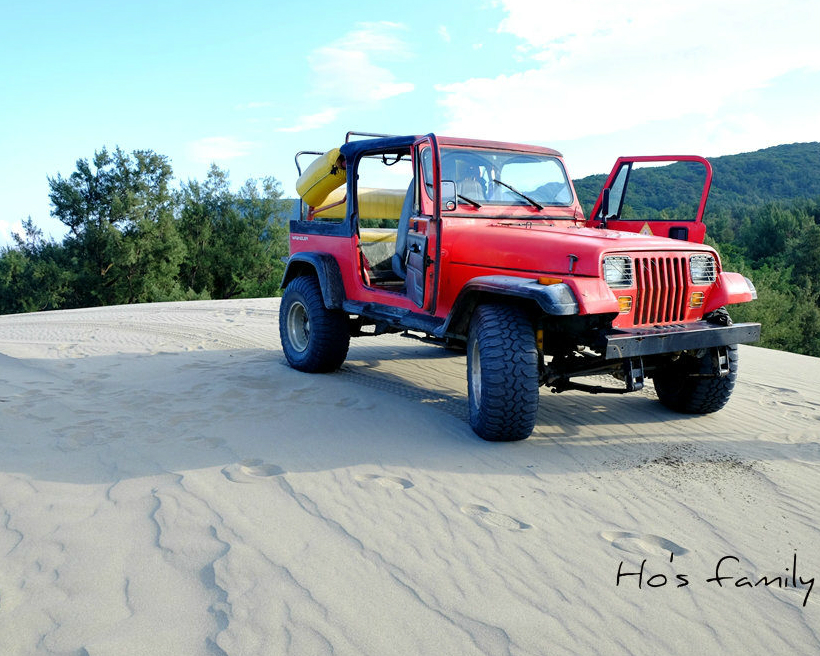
638,197
422,236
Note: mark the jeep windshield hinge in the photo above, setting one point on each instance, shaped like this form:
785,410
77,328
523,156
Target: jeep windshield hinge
604,207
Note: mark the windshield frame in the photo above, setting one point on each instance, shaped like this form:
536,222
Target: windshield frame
492,162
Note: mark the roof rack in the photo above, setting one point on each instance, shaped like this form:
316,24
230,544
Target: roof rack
351,133
305,152
369,135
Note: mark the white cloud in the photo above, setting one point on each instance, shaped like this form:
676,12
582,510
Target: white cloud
352,73
390,89
748,131
313,121
599,67
211,149
444,33
558,25
350,69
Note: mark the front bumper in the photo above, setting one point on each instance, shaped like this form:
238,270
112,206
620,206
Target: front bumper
636,342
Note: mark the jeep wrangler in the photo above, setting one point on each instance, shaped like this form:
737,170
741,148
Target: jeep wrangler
484,245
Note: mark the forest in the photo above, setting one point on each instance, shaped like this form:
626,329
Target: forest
133,238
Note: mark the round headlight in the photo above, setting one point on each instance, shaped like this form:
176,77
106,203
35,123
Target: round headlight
702,269
618,271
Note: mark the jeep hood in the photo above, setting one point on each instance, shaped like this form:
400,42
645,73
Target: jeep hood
546,248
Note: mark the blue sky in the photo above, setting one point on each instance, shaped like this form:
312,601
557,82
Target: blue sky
247,84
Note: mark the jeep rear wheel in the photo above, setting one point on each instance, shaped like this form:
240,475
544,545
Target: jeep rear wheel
692,384
314,338
502,373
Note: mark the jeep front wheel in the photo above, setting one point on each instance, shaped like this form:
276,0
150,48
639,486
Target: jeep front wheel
314,338
692,384
502,373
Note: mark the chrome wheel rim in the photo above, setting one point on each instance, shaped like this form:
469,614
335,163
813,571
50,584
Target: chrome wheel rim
298,326
475,374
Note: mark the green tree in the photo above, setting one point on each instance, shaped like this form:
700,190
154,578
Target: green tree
34,275
804,252
123,237
235,240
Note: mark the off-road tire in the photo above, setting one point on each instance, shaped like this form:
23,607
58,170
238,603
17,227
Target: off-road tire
314,338
502,373
691,385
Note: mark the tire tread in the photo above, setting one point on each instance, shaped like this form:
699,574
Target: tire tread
692,392
509,373
329,329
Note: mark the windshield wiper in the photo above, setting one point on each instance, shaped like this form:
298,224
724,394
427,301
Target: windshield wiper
524,196
472,202
469,200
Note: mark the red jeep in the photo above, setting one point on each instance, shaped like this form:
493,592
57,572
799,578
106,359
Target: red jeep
485,244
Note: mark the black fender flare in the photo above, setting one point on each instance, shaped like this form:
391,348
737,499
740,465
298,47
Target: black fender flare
556,300
325,268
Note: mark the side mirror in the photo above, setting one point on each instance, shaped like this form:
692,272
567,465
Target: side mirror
605,203
448,195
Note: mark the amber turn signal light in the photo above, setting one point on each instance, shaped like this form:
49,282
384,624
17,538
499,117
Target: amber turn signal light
696,300
624,304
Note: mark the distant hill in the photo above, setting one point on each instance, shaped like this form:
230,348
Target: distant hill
778,173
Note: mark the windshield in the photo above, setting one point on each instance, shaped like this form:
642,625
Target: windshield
503,178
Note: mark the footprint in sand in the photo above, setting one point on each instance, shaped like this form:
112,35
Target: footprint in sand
390,482
207,442
790,402
492,518
251,470
642,543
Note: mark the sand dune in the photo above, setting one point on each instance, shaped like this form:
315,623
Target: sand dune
169,486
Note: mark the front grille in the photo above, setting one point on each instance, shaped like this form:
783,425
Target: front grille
661,283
